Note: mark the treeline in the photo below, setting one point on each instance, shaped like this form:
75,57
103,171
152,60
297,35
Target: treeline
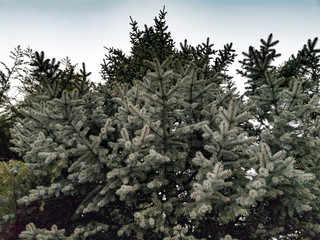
164,148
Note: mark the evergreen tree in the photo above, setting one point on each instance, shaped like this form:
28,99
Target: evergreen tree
47,75
285,105
15,181
7,108
124,69
170,151
35,73
161,179
42,81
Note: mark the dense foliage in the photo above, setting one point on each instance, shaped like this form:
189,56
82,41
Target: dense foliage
165,148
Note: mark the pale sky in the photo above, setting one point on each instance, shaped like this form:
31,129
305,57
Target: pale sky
80,29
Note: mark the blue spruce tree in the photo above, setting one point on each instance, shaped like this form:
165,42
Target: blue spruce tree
181,156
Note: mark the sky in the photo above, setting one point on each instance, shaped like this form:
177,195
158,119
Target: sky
80,29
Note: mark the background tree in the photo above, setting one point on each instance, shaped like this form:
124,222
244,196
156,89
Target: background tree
7,107
124,69
285,105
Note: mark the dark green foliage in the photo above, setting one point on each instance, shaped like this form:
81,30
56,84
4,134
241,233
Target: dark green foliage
208,60
257,62
47,75
6,122
305,65
8,112
124,69
9,74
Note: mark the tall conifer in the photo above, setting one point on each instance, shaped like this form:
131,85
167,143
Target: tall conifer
170,152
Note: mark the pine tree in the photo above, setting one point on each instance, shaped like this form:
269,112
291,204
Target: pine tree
42,82
161,179
173,153
45,74
7,108
125,69
286,108
34,73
